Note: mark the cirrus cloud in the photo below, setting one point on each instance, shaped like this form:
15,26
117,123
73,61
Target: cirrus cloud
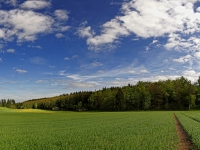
21,71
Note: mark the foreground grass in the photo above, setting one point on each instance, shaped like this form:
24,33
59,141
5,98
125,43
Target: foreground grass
38,129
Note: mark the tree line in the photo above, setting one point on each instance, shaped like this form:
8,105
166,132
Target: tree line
178,94
9,103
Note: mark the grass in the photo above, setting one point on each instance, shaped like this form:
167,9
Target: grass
46,130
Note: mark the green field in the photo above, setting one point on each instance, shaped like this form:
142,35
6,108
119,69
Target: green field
38,129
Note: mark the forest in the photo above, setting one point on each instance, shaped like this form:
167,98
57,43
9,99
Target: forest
178,94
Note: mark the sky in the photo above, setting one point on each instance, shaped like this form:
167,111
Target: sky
51,47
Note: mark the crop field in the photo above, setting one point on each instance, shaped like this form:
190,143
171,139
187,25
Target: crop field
46,130
191,124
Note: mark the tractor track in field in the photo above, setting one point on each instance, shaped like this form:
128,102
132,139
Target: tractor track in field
184,140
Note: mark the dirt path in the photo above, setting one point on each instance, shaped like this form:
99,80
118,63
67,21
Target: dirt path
184,141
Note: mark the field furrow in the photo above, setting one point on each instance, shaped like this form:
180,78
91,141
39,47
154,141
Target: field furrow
191,126
184,140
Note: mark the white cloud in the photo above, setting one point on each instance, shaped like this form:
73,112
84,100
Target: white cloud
84,31
59,35
66,58
62,73
111,32
26,25
2,33
150,11
10,51
96,64
144,71
197,55
176,42
132,72
62,28
138,71
61,14
147,48
100,71
73,57
192,75
41,81
198,9
154,41
80,78
23,23
1,60
37,46
82,85
171,69
184,59
35,4
20,71
152,18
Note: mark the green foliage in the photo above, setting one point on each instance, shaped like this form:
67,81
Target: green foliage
119,100
35,105
79,105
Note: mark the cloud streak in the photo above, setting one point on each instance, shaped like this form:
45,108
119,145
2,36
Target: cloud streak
21,71
35,4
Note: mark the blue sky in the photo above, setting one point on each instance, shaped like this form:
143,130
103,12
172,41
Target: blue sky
48,48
